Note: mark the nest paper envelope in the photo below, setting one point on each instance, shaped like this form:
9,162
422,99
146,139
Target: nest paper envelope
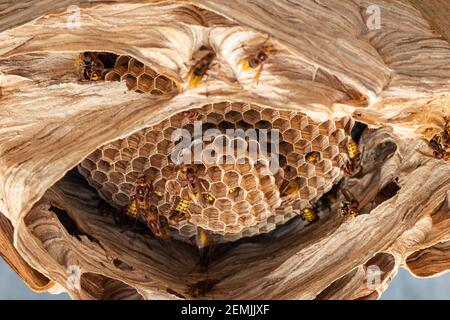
50,123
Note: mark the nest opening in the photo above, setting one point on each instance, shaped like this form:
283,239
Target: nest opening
106,66
240,205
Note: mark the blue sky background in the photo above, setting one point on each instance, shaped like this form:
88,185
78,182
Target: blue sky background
404,286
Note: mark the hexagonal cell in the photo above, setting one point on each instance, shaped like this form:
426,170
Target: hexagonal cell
214,173
121,65
331,152
308,193
111,188
198,220
135,67
249,182
127,154
243,125
320,143
310,132
152,173
250,232
291,135
248,106
259,211
146,150
165,147
255,196
229,217
282,161
223,204
323,167
116,177
289,172
121,198
126,188
227,163
212,214
231,179
121,166
263,124
214,118
272,198
278,219
158,160
219,189
104,166
99,176
236,194
243,166
165,208
95,156
269,114
163,125
246,220
130,81
224,125
345,123
111,154
262,167
220,107
241,207
303,147
230,229
239,148
88,164
233,116
337,137
316,182
251,116
222,140
163,83
295,159
168,172
154,136
287,114
178,120
281,124
271,219
132,176
306,170
327,127
216,225
145,83
299,122
149,71
140,164
285,148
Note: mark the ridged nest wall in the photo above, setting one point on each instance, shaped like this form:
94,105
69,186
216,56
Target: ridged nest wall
327,73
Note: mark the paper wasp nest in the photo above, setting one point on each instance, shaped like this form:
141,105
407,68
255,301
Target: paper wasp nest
248,196
92,95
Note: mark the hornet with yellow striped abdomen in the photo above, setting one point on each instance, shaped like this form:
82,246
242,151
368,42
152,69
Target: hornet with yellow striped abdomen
353,165
199,69
256,61
349,206
309,215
